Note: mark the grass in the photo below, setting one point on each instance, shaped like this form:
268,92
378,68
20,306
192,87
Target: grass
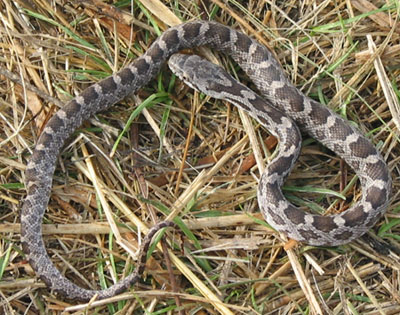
168,152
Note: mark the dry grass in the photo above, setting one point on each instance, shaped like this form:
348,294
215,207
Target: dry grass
224,258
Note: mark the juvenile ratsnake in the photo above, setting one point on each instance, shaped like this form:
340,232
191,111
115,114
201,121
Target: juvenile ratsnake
259,64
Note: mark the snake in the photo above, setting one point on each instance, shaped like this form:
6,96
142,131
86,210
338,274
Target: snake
280,106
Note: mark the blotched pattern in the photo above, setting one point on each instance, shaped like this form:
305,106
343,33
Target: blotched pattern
259,64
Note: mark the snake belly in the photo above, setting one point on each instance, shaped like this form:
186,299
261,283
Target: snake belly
261,67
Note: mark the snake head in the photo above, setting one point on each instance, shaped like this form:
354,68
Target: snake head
201,74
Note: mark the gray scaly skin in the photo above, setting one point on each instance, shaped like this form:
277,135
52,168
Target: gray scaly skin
259,64
337,134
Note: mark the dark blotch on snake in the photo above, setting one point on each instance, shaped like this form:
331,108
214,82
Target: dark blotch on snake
278,220
354,216
45,137
191,32
72,108
273,191
374,196
362,148
222,33
280,166
325,224
320,117
243,42
156,53
32,188
89,95
108,85
259,54
378,170
56,123
273,74
295,99
339,130
308,234
273,114
295,215
171,39
127,76
343,235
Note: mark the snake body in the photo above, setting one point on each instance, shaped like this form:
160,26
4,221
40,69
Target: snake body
259,64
